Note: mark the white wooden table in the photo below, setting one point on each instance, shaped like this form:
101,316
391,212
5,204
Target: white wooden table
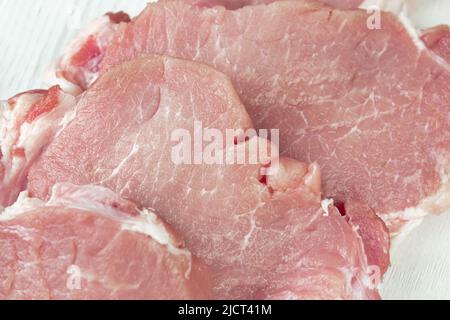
34,32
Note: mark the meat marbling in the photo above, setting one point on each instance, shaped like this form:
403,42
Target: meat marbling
262,236
370,106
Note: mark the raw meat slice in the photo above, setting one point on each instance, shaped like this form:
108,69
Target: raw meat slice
339,92
87,243
229,4
77,69
237,4
263,236
343,4
438,40
28,122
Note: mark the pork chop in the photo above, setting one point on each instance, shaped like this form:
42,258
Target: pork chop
370,106
87,243
262,235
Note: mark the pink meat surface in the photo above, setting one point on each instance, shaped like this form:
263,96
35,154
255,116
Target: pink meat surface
368,105
87,243
343,4
237,4
438,40
263,236
28,122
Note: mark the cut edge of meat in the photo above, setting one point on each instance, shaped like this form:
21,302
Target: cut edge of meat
77,68
95,200
291,184
28,122
103,200
437,39
372,231
403,222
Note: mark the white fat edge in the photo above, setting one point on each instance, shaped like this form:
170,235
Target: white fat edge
87,198
103,30
96,27
70,110
4,116
404,231
52,78
9,116
52,75
413,216
149,224
35,135
436,203
23,204
63,113
326,203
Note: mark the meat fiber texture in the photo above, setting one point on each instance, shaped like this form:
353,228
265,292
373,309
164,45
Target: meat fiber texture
87,243
370,106
262,236
28,122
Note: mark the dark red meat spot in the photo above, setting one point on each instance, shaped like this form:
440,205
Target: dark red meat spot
340,205
45,104
88,52
118,17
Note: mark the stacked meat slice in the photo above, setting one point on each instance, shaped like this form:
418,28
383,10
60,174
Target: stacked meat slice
361,112
262,236
87,243
370,106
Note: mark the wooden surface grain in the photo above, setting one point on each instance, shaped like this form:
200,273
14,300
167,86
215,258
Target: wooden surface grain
33,33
